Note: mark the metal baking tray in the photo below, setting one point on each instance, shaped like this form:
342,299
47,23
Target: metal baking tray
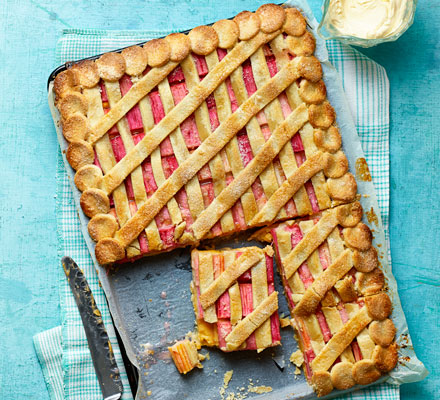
150,302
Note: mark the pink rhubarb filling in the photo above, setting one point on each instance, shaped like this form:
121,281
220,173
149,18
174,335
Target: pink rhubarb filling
166,149
134,117
274,319
223,307
188,127
300,159
201,66
245,150
142,238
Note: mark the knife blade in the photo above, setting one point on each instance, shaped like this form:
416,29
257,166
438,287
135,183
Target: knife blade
106,369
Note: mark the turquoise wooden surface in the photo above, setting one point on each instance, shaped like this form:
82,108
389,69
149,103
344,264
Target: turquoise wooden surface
28,265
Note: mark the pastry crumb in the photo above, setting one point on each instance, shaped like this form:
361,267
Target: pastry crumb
297,358
297,371
284,322
226,379
259,389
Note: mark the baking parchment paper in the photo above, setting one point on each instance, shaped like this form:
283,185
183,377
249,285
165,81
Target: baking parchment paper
151,306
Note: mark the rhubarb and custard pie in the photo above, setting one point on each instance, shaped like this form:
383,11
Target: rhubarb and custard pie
201,135
234,298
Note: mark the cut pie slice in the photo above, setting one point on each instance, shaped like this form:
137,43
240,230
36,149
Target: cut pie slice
234,298
185,356
202,135
335,291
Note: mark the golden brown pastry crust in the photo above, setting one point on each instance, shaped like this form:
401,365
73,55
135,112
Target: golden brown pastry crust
241,282
382,332
79,154
356,342
88,177
180,46
88,75
328,139
246,260
136,60
342,375
111,66
102,226
322,383
365,261
158,52
295,24
75,127
252,321
385,358
94,201
365,372
248,25
378,306
86,125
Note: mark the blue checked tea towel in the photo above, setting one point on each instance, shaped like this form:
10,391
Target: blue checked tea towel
63,351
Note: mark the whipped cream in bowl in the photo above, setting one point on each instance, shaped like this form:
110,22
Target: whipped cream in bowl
366,22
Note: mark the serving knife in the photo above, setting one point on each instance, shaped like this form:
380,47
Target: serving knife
106,369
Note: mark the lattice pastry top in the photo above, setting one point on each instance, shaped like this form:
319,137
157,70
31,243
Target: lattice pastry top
202,135
234,298
335,290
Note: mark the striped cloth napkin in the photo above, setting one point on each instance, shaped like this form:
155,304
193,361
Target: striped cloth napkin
63,351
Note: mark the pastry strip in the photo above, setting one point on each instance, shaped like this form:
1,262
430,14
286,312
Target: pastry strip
274,115
248,259
248,201
337,344
306,133
211,146
153,236
256,138
255,319
247,176
278,48
183,110
223,105
134,95
114,96
234,292
194,193
318,180
263,334
335,323
201,116
363,339
323,283
206,278
309,243
290,186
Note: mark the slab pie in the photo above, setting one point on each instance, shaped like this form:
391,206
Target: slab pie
201,135
228,127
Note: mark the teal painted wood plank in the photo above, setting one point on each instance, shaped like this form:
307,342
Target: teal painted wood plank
412,64
28,264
